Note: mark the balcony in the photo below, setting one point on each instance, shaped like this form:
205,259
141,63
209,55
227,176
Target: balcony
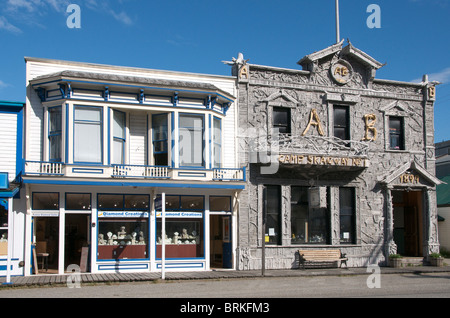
58,169
308,151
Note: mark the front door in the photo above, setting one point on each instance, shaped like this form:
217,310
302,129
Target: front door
76,240
408,222
221,255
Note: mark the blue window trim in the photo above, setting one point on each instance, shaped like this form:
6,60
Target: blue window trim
161,140
54,133
186,210
203,164
214,144
37,192
221,196
123,202
75,107
65,200
120,139
123,209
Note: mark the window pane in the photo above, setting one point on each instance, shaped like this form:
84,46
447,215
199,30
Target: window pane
110,202
299,215
118,152
273,214
87,114
123,238
184,238
3,242
45,201
219,204
191,203
282,119
341,123
347,214
87,142
191,140
3,212
119,125
340,116
55,147
396,133
54,119
136,202
78,201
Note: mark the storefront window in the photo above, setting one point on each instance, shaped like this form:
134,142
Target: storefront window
347,215
3,226
273,212
45,201
122,238
78,201
123,223
219,204
309,215
184,227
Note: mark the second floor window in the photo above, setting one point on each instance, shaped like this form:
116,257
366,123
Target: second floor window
191,140
341,122
54,133
119,137
160,139
87,134
396,133
217,140
282,119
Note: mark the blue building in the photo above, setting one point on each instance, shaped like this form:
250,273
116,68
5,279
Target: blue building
11,167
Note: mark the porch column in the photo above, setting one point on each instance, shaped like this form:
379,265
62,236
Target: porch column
431,237
390,246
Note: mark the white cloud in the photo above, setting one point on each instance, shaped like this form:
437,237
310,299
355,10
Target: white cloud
3,84
104,7
442,76
5,25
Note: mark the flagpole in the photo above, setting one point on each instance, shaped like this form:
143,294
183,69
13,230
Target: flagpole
338,37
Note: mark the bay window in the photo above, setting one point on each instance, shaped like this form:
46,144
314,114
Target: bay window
160,139
54,133
118,137
88,134
217,143
191,140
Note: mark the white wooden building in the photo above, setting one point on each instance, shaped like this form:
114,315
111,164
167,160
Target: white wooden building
103,144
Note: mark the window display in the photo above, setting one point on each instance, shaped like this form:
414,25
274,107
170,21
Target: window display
184,238
3,241
184,227
123,226
122,238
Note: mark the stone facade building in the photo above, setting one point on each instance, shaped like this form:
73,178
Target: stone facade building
335,158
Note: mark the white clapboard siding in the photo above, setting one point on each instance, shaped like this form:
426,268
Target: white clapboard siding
138,138
8,131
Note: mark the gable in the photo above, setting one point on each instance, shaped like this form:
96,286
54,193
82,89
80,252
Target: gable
410,175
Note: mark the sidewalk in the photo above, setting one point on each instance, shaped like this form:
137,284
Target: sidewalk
114,278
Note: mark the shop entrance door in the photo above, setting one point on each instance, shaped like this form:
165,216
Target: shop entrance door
408,224
221,255
77,240
46,242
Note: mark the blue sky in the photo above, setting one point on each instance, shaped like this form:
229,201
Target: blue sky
196,35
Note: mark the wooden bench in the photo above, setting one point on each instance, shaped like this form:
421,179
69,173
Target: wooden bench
322,257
